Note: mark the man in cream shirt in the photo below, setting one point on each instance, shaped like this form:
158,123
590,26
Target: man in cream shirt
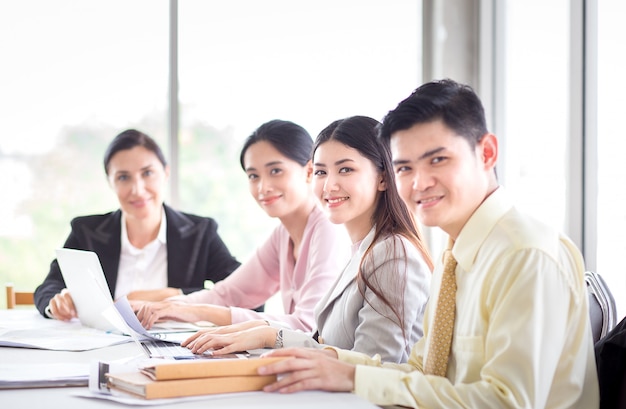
521,335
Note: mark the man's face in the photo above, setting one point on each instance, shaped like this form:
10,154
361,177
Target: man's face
439,176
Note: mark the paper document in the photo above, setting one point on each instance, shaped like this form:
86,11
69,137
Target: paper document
28,329
13,376
31,330
172,335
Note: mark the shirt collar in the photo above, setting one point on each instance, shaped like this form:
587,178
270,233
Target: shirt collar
479,226
161,235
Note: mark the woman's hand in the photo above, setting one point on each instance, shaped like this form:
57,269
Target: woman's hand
62,306
312,369
150,313
227,343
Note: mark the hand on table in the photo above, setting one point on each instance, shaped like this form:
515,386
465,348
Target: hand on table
228,341
312,369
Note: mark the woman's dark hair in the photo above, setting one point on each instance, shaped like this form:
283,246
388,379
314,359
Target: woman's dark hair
288,138
391,216
128,140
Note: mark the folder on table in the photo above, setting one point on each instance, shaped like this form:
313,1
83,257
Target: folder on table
137,383
192,378
206,368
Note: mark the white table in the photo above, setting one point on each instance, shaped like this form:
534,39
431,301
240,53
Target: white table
50,398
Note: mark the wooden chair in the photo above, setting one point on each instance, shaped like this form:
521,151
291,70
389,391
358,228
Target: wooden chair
18,297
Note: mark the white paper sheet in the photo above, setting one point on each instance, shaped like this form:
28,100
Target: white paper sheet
43,375
126,311
69,337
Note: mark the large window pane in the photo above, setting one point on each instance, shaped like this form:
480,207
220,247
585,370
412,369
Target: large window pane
245,62
536,106
611,146
73,75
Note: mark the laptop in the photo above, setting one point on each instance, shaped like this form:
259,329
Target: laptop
168,350
84,278
86,283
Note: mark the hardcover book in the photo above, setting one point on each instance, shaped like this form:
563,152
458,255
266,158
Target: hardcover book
206,368
139,384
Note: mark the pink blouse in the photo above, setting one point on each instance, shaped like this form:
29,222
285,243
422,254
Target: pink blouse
324,252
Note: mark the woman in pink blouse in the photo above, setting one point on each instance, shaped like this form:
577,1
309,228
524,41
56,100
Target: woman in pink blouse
300,258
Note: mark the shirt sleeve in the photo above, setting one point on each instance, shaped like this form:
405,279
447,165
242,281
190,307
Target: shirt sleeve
326,252
250,285
259,278
516,370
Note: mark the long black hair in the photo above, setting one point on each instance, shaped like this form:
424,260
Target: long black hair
391,216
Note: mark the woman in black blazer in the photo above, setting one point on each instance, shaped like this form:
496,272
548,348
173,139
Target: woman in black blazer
148,250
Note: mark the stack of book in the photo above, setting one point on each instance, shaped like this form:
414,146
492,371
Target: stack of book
192,378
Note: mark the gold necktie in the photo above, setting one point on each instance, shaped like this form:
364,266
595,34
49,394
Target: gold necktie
443,323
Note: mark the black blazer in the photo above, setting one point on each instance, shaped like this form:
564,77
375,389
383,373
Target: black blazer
195,252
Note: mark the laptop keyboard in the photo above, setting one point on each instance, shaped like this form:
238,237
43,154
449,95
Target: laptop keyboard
158,349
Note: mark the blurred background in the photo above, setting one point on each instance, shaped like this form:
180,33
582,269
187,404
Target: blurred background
200,76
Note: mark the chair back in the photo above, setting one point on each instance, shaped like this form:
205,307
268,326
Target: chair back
18,297
611,365
602,309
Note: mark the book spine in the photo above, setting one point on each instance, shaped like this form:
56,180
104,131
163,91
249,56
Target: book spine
207,386
198,369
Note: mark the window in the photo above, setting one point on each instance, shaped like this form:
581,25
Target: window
611,144
536,81
73,75
246,62
76,73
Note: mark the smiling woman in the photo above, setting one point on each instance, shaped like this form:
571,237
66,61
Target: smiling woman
300,257
146,246
137,174
376,303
